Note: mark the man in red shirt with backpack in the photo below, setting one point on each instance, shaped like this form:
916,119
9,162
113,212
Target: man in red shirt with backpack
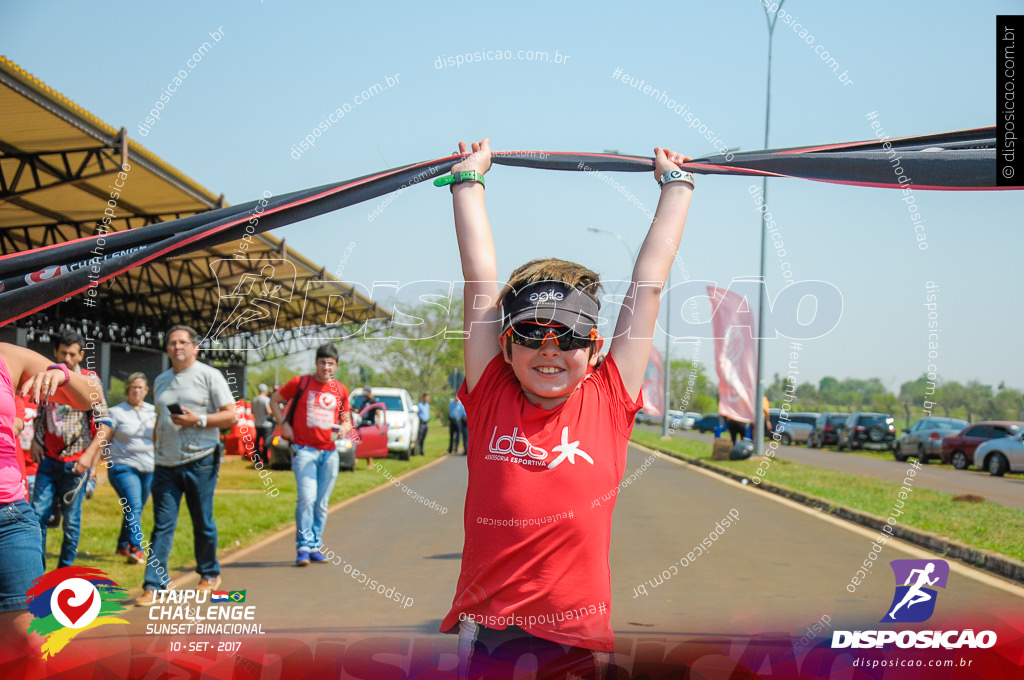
317,403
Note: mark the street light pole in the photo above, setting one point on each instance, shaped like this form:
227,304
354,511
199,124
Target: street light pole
758,435
629,249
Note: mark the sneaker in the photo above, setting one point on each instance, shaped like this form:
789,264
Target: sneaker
123,552
147,599
136,556
317,556
302,559
209,583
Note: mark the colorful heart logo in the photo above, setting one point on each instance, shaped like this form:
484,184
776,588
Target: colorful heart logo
73,612
75,603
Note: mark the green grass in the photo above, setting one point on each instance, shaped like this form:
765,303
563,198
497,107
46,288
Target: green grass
985,525
243,512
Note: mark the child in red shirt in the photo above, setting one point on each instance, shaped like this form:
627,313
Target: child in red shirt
548,433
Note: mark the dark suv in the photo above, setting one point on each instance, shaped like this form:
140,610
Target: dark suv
826,430
868,431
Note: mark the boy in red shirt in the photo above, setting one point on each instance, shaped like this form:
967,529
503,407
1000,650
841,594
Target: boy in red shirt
318,403
546,437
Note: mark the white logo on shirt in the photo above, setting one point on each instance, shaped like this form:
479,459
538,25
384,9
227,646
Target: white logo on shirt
321,408
515,444
568,450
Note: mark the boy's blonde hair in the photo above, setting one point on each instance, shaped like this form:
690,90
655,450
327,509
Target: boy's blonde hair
553,269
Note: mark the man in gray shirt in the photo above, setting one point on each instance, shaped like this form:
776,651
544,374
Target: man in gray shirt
260,415
193,402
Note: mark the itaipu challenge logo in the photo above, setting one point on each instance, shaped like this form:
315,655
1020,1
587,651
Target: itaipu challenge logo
69,601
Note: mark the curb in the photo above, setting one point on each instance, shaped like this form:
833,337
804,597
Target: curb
986,560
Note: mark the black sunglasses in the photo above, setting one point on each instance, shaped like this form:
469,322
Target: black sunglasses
533,336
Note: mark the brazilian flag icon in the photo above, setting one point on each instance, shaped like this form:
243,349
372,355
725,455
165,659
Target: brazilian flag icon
237,596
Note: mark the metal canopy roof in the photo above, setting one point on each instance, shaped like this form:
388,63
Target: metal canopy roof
58,165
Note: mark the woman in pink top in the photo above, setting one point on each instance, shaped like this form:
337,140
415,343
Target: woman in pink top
31,375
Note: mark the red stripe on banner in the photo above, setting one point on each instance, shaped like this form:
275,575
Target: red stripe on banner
896,185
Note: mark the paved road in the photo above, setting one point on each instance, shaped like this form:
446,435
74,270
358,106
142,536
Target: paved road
780,568
1008,491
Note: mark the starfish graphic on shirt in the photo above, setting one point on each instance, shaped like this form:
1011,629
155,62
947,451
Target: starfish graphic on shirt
568,450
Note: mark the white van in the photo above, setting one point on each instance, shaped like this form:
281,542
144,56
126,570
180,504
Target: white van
403,422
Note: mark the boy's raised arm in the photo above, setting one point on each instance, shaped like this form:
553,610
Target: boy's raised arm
634,331
479,264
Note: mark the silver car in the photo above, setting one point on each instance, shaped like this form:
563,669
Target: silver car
791,432
924,438
682,421
1001,455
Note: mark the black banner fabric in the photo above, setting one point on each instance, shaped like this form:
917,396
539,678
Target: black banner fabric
36,279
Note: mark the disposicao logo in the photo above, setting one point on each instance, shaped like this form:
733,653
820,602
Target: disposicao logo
70,600
914,602
916,576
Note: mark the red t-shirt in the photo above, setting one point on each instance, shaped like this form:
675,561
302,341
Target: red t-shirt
535,545
317,410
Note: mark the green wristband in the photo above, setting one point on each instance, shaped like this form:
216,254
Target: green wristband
459,178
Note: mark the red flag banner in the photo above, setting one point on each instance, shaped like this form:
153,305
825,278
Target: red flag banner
653,388
733,323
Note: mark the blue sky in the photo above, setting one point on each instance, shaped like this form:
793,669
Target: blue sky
282,67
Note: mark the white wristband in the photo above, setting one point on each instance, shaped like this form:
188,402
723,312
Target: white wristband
677,176
202,421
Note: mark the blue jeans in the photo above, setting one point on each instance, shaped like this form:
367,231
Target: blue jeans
19,546
196,480
315,473
421,436
132,487
53,480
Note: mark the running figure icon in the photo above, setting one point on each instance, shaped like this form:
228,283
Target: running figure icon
915,594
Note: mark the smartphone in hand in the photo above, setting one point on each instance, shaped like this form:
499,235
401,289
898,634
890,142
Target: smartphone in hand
175,409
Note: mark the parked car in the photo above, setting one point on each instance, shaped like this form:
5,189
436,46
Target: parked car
1001,455
403,421
645,418
708,423
924,438
826,429
678,420
959,448
790,431
868,431
370,440
804,418
369,443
